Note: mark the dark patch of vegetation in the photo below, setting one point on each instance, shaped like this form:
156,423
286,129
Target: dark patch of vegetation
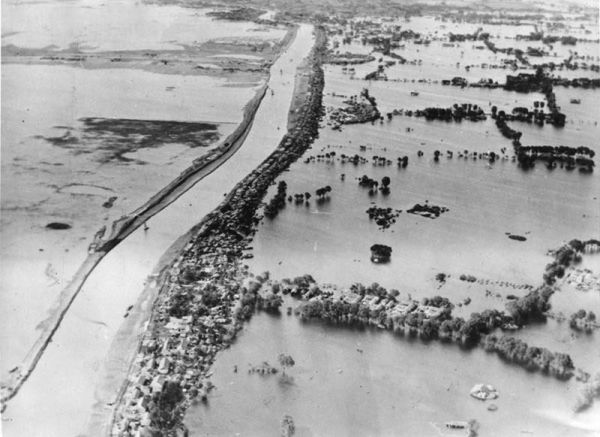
565,155
323,191
116,137
166,409
110,202
517,237
532,358
378,307
380,253
457,113
467,278
384,217
238,14
531,307
67,140
564,257
58,226
277,203
583,320
426,210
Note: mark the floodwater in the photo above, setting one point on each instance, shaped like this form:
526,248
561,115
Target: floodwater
349,382
54,169
107,26
398,387
44,182
75,359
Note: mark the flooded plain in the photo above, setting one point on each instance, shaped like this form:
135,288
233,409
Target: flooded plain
349,382
108,26
367,382
81,147
98,313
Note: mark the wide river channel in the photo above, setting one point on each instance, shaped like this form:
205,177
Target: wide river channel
58,398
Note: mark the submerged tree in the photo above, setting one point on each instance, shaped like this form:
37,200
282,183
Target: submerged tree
380,253
288,429
285,361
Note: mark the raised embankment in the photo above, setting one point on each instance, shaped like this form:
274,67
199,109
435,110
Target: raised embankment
124,226
215,244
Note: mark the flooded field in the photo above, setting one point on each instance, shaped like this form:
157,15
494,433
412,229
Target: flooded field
108,26
81,147
100,313
485,200
351,382
438,114
406,387
45,133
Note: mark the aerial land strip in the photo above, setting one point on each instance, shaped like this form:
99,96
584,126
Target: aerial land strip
126,225
202,301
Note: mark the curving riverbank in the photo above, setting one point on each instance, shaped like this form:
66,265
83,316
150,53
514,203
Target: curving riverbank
126,225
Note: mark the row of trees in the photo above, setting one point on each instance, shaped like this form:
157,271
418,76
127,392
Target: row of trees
323,191
455,113
277,203
417,321
372,184
532,358
476,330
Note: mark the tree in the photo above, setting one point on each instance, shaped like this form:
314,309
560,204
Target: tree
380,253
288,429
271,303
164,415
285,361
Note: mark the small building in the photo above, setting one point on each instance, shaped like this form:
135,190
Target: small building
163,365
157,384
